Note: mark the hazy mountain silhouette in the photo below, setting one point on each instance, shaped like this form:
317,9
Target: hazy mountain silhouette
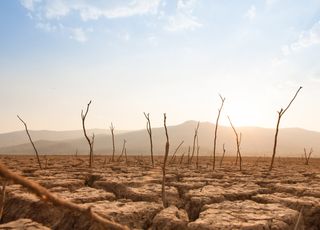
20,137
255,141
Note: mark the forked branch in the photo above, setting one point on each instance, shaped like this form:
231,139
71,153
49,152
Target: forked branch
90,142
149,130
280,114
307,156
216,132
194,142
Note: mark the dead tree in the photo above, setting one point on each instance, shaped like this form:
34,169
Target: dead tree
238,142
34,147
46,196
280,114
194,142
198,149
175,151
123,149
224,152
90,142
216,132
163,192
149,130
307,157
113,145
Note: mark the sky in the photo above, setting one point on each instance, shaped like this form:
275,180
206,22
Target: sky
156,56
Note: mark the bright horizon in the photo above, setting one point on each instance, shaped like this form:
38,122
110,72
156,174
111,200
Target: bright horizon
158,56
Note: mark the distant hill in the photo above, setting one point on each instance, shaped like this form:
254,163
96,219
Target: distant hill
255,141
20,137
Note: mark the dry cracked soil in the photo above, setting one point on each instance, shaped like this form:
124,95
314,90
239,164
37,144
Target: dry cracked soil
129,193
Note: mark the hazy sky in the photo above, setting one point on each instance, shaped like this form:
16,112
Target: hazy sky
131,56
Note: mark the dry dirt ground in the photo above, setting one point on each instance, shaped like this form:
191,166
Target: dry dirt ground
129,193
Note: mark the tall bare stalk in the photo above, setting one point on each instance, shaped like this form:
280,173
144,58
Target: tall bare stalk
238,142
198,150
216,132
123,149
34,147
149,130
175,151
163,192
194,142
280,114
90,142
113,145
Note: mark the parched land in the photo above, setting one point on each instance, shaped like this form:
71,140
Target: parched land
129,193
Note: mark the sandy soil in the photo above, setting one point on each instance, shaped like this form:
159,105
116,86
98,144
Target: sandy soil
130,193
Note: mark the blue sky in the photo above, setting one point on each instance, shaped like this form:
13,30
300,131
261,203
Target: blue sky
134,56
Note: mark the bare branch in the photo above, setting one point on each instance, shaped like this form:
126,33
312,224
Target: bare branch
280,114
149,130
174,154
194,142
90,142
47,196
216,132
163,192
123,150
238,141
113,145
34,147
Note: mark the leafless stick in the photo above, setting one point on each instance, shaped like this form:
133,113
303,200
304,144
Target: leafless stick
3,198
238,141
90,142
123,148
125,154
174,154
280,114
149,130
47,196
113,145
164,200
240,136
34,147
194,142
198,149
224,152
216,132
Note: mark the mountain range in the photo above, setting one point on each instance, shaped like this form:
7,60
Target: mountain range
255,141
